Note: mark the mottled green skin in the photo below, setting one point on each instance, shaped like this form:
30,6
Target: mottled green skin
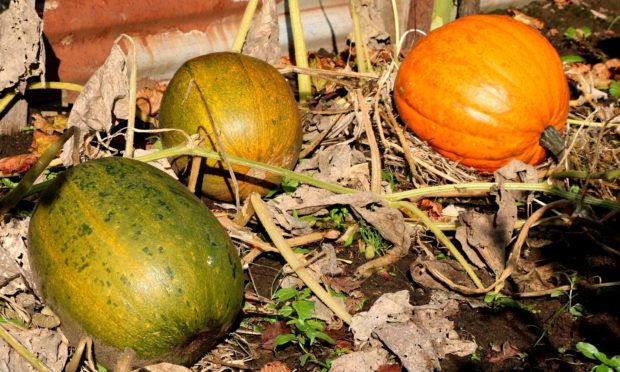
127,254
253,109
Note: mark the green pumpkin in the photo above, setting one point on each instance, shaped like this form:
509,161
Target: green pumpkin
126,254
253,109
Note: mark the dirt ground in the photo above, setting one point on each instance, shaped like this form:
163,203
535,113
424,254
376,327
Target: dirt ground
537,333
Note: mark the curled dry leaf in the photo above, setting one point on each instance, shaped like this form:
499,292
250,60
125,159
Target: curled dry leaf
164,367
21,42
42,140
275,366
47,345
361,361
528,20
17,164
102,101
419,336
488,235
57,123
263,39
271,331
148,99
432,208
14,256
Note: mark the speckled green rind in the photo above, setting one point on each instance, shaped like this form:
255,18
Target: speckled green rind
125,253
252,107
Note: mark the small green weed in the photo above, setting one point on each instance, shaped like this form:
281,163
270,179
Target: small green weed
287,186
605,364
298,311
578,34
336,218
373,241
498,301
575,309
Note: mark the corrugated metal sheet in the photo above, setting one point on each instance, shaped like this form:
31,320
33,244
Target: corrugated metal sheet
167,33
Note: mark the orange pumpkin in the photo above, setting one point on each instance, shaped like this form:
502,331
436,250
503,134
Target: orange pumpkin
254,112
481,90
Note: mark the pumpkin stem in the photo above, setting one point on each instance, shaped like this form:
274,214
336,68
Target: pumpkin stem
552,140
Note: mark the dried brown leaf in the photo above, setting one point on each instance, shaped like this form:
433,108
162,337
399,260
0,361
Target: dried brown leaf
344,284
21,45
433,209
47,345
271,331
361,361
263,39
102,101
17,163
525,19
394,367
275,366
164,367
42,140
148,99
419,336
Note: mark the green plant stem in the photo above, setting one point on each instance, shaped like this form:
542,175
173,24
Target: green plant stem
131,114
244,27
409,194
396,41
287,253
301,54
21,350
360,47
441,237
487,186
198,151
443,12
14,196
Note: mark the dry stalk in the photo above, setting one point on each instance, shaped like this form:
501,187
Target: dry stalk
21,350
291,258
375,157
513,258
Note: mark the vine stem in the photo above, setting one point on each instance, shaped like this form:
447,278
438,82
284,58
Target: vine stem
244,27
429,191
287,253
301,54
441,237
14,196
37,364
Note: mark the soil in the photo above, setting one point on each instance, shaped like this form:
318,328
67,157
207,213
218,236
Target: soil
530,334
535,334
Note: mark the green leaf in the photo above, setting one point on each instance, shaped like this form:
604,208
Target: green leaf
614,362
572,58
558,293
289,185
614,89
576,310
304,308
285,311
315,324
325,337
304,359
602,368
283,340
284,294
587,349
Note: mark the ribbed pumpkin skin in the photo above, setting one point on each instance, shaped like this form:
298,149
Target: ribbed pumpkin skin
481,90
252,107
125,253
